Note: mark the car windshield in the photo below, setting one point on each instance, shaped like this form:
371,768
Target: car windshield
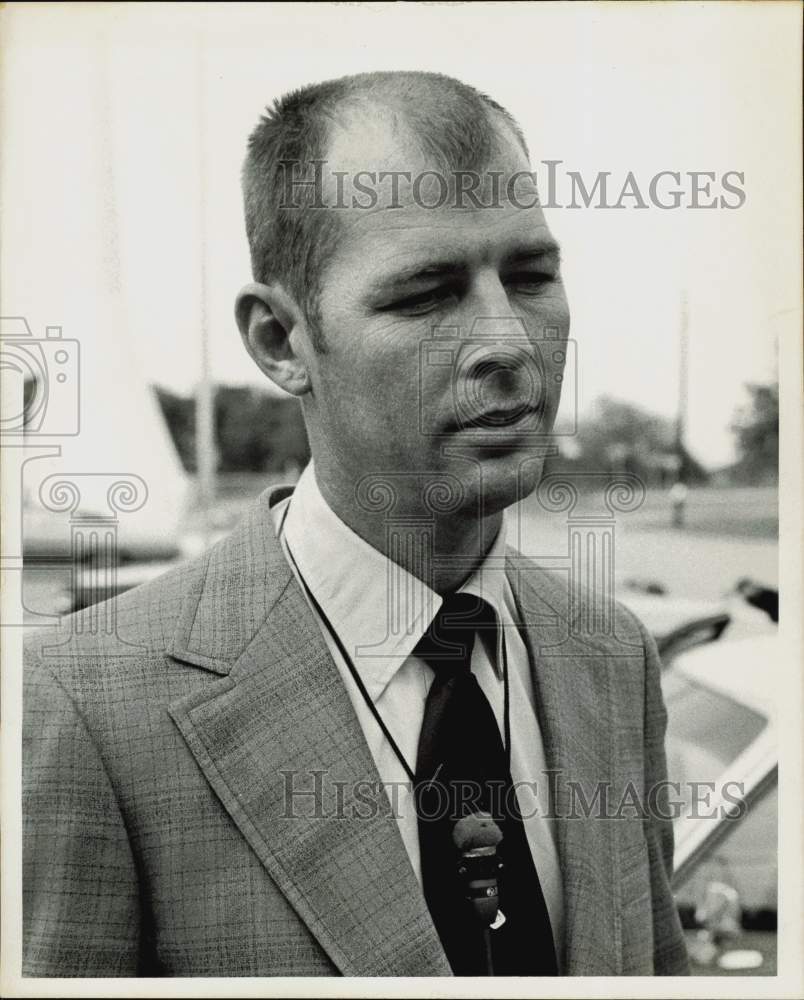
706,730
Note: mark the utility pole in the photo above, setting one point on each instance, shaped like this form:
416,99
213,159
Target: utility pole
205,394
678,493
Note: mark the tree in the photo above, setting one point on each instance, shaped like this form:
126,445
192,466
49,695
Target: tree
616,436
255,431
756,428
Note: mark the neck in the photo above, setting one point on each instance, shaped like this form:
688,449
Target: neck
443,552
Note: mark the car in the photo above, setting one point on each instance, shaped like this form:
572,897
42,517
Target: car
722,754
681,623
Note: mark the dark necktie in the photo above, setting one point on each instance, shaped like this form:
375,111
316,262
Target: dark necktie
462,768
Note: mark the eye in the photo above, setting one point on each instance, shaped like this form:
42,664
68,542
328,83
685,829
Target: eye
530,282
421,303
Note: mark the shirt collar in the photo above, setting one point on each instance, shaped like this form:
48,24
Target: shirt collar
378,610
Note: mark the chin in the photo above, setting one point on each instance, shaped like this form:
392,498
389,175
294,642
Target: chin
501,480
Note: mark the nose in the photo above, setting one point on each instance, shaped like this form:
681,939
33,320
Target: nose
500,370
498,333
498,339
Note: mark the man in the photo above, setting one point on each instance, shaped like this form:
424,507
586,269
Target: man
241,781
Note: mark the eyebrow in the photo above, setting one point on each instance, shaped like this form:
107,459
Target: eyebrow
417,272
428,270
545,248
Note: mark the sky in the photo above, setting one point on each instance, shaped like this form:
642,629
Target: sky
127,125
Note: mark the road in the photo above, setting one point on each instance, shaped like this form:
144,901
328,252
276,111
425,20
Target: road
729,534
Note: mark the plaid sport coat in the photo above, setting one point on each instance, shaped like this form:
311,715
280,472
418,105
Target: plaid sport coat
158,756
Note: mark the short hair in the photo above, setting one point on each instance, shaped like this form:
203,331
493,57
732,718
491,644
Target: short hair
455,126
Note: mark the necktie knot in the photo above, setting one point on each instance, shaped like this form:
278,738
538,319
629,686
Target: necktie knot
447,644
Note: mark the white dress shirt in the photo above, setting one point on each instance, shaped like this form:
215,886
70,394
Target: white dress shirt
379,612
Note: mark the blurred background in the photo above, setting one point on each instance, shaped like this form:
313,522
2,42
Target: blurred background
123,247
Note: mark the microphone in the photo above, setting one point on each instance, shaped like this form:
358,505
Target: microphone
476,837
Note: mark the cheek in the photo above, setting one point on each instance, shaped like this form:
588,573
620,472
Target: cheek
371,379
548,311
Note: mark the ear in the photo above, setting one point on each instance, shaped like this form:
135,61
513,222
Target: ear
266,317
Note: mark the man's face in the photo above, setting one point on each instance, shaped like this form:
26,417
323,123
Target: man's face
443,332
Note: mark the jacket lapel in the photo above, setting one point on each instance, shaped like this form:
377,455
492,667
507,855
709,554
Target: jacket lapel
572,687
278,740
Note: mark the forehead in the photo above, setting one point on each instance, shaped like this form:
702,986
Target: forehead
411,239
396,207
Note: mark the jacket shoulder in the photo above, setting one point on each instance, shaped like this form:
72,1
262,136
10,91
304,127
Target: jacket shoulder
557,593
142,619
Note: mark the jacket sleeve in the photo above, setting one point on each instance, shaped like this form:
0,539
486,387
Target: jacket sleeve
80,894
669,949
